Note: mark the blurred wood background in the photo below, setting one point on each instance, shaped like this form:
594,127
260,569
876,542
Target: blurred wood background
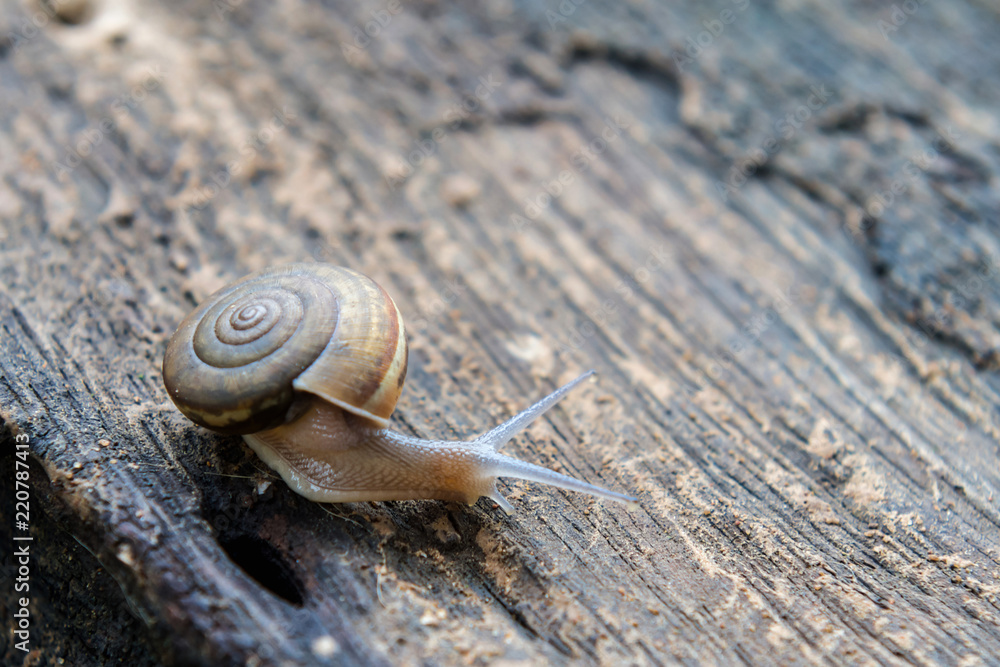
771,228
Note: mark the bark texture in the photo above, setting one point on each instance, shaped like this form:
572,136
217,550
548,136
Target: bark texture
773,229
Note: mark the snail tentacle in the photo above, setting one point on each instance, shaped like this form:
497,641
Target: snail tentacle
506,466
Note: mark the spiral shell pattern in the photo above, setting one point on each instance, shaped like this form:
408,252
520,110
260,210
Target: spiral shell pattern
236,362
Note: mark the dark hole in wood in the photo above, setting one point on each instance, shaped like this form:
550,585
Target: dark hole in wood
266,566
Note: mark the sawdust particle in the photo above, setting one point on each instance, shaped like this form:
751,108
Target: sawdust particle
823,441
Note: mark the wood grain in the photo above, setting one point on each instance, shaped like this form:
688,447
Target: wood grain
772,229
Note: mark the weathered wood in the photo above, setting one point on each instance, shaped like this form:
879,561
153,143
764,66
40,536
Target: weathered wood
772,231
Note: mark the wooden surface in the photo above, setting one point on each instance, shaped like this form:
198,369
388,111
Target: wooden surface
781,259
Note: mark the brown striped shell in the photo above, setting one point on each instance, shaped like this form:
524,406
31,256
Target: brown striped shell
236,362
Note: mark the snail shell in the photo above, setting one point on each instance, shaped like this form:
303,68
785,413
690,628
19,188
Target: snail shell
236,362
307,361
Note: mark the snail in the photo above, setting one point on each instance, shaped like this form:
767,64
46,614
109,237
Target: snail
306,362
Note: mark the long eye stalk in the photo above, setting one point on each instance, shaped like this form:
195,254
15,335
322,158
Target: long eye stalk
505,466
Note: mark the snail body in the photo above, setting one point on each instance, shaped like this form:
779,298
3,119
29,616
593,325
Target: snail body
307,362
